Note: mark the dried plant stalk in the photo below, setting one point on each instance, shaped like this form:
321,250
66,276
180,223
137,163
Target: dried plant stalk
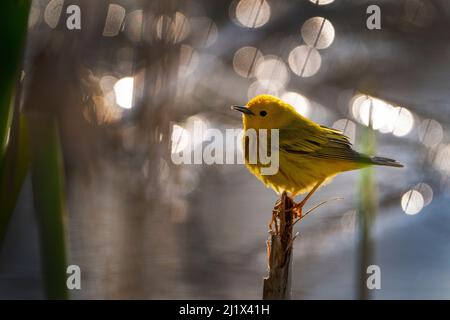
277,286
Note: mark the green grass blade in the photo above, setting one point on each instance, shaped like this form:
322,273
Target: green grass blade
49,200
13,158
13,173
13,27
367,207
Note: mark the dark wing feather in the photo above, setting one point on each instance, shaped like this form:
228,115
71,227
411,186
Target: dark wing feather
318,142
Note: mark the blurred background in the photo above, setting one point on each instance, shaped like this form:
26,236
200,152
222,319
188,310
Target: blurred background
126,90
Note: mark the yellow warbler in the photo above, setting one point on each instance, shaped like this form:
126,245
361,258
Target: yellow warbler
309,154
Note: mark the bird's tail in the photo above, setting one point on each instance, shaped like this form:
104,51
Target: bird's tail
385,162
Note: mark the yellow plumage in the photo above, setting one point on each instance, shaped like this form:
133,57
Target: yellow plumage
309,154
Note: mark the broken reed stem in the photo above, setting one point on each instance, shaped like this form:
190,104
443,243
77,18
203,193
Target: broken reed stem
277,286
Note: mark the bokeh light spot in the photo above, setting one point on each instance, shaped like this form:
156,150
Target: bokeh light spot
123,90
53,12
403,121
381,115
304,61
299,102
321,2
34,16
412,202
245,61
442,159
172,29
272,73
253,13
426,191
180,139
114,20
318,32
374,111
133,25
430,132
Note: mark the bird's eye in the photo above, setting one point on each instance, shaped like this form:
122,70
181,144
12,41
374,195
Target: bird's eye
263,113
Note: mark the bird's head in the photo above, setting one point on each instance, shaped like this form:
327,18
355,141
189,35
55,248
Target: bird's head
266,112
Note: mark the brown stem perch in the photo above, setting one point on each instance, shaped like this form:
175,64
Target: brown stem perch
277,285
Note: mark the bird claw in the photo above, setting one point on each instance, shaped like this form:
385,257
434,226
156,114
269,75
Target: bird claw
273,225
298,211
273,221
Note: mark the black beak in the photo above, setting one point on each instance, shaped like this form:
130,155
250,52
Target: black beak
243,110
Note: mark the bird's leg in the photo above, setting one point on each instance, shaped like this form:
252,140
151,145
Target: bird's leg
273,226
273,221
299,206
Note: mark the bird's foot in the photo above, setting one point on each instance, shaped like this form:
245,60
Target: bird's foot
273,225
298,209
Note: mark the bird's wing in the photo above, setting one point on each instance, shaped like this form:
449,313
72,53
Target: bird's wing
317,141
